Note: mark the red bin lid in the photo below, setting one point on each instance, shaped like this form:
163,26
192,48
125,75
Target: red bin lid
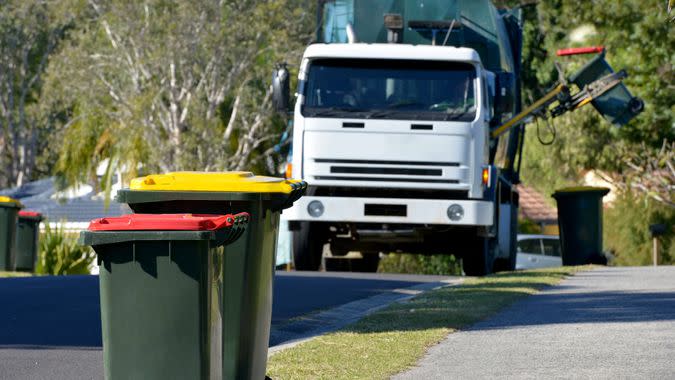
166,222
32,214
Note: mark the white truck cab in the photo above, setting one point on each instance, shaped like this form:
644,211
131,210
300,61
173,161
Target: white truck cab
377,116
394,143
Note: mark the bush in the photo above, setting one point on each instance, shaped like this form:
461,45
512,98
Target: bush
60,253
420,264
626,230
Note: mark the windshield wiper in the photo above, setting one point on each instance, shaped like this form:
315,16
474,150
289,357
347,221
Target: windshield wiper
331,111
455,115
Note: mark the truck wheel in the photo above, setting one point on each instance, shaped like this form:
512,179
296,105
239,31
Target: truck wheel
479,261
308,243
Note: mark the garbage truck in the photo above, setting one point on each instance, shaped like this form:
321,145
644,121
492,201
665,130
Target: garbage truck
408,127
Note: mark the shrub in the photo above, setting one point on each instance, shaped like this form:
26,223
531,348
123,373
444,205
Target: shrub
626,230
60,253
420,264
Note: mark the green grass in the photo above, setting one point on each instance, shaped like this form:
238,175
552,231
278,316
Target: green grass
14,274
394,339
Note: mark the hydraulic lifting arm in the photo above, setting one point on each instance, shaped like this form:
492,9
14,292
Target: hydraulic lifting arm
597,82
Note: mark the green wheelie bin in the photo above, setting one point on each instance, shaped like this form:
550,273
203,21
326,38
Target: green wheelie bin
249,263
27,239
160,278
580,222
9,214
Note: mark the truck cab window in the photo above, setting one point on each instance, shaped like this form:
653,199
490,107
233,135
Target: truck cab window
391,89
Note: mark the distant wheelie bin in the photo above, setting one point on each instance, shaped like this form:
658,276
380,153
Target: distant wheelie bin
160,278
248,266
27,240
9,214
580,222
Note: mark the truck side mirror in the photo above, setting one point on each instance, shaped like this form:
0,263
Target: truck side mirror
505,94
281,88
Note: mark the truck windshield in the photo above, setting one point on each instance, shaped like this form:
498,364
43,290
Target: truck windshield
390,89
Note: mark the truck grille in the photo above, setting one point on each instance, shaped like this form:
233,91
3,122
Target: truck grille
399,171
360,170
379,162
385,179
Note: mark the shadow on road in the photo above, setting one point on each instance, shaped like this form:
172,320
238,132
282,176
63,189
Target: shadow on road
64,312
473,305
48,312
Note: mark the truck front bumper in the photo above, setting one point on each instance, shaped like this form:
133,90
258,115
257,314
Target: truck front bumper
417,211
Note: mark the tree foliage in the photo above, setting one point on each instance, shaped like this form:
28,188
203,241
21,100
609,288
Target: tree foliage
179,86
637,38
29,32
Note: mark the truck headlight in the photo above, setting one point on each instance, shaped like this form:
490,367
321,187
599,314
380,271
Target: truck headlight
455,212
315,208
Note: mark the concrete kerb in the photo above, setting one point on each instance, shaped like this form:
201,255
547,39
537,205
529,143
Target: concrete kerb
309,327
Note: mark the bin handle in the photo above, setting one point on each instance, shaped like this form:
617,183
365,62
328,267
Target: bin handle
297,190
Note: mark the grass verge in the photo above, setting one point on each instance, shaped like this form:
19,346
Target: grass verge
14,274
394,339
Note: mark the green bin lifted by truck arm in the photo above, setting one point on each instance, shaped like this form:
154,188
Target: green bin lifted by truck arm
248,266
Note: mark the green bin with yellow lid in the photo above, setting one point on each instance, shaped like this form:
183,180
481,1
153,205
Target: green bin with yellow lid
248,264
9,216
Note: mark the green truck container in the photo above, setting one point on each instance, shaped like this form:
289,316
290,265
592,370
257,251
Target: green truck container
27,240
9,214
580,222
160,283
248,266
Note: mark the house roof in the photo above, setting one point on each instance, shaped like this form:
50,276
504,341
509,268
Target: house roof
533,206
43,197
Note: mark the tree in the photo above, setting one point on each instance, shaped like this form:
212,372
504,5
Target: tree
637,38
29,32
180,86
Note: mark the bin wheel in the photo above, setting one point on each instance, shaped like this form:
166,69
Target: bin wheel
308,243
479,260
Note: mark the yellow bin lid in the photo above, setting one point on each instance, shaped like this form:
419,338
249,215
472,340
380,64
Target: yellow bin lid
241,182
4,199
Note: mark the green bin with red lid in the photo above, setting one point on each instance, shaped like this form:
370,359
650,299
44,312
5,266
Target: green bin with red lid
248,264
160,276
9,215
27,240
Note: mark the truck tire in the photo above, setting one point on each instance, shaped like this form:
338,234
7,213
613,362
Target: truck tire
479,262
308,243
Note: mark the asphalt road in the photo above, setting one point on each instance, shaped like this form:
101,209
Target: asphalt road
50,326
610,323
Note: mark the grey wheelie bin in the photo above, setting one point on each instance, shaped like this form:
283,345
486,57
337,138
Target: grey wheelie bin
9,214
160,277
27,239
580,222
248,266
